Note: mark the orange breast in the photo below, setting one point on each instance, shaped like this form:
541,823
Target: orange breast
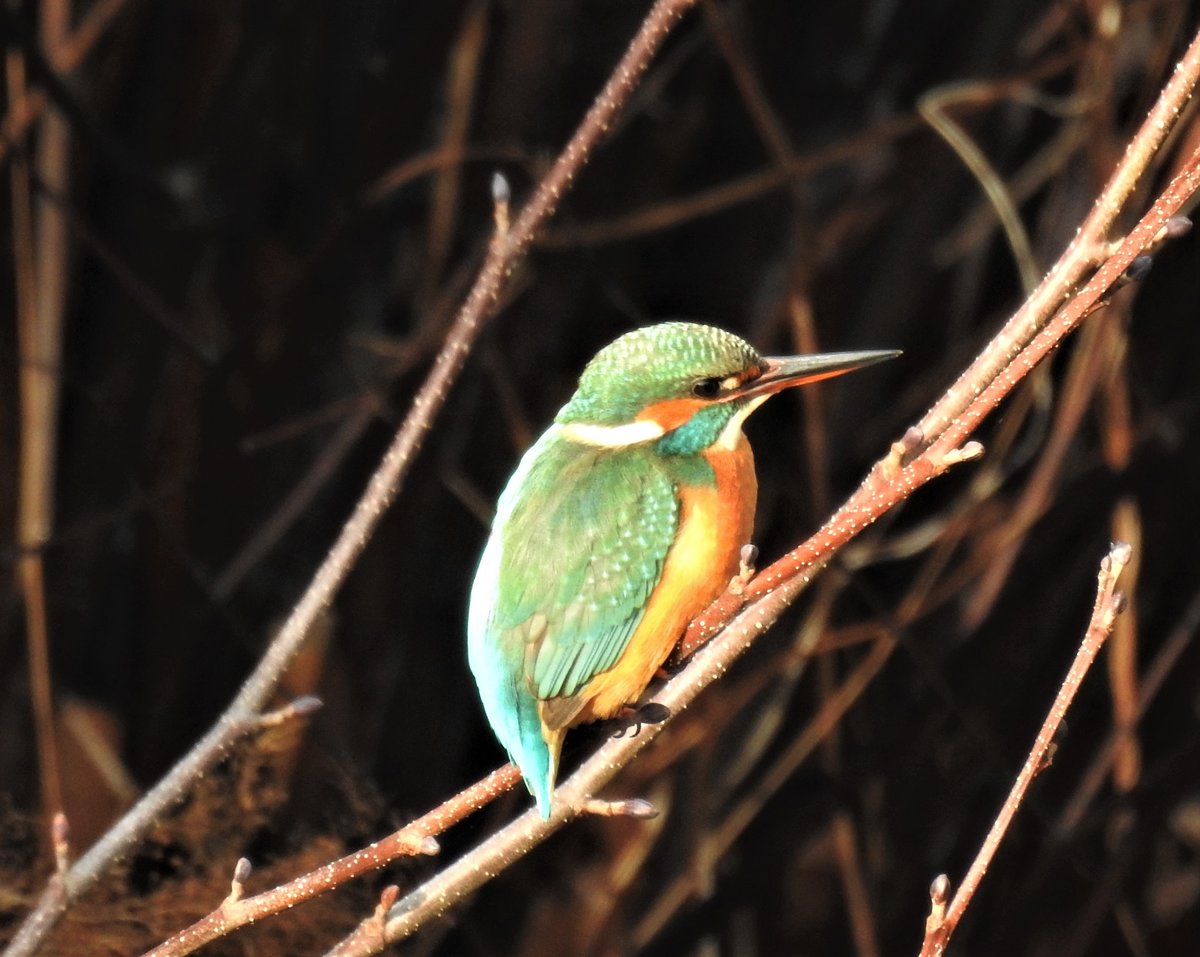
715,522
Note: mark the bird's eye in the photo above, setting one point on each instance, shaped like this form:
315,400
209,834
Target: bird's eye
707,388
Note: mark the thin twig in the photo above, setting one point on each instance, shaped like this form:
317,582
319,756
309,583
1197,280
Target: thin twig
39,342
854,887
1151,682
1123,657
932,107
381,489
942,924
462,78
417,837
771,129
295,503
414,168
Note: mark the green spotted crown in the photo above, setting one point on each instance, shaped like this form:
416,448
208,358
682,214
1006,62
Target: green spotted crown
655,364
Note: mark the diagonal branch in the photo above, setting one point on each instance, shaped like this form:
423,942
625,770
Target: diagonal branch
415,837
954,414
943,920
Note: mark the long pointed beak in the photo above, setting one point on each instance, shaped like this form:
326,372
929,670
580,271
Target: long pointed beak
783,372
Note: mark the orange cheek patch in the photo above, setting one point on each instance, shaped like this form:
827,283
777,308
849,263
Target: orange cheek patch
672,413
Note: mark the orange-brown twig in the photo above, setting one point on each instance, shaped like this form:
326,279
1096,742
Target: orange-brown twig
944,919
417,837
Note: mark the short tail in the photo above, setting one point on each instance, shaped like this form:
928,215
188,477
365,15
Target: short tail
543,786
515,719
536,754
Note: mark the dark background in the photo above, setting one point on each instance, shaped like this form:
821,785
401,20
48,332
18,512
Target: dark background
273,211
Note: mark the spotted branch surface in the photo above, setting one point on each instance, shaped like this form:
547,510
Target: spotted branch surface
417,837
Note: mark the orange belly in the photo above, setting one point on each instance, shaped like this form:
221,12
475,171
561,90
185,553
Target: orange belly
714,523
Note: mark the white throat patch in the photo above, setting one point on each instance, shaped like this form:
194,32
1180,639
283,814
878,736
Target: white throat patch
733,428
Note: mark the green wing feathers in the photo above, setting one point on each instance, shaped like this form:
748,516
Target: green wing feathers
583,550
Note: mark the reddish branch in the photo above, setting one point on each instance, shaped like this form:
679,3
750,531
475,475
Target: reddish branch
944,919
955,415
416,837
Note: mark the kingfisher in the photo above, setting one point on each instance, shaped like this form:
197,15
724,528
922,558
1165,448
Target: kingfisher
620,524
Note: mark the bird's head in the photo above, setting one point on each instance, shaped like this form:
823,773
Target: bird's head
686,386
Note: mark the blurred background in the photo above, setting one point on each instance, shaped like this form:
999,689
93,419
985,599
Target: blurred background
234,235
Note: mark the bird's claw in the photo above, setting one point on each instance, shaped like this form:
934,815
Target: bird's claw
633,718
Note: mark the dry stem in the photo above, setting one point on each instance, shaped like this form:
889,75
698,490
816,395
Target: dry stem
66,56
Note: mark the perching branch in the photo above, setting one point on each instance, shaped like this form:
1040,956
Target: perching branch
502,256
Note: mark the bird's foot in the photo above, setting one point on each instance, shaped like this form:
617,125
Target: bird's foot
630,720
